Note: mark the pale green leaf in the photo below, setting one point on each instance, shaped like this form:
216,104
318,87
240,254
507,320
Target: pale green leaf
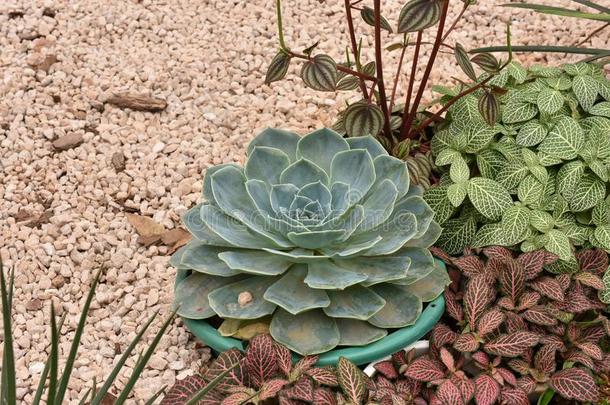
488,197
565,139
558,243
515,221
550,101
585,88
589,191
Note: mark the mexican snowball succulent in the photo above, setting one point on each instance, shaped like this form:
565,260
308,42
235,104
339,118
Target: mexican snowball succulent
320,234
538,177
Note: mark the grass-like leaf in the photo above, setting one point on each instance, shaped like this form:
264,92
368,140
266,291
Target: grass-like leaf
210,386
8,385
560,11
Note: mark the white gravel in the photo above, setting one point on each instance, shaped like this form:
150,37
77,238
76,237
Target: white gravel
206,58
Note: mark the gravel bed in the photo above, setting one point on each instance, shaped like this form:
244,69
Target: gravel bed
73,165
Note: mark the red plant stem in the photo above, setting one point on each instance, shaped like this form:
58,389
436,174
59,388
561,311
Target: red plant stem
413,71
397,77
352,37
457,19
341,68
406,125
437,114
383,102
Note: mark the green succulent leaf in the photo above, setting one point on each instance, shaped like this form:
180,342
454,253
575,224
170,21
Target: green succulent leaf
401,309
308,333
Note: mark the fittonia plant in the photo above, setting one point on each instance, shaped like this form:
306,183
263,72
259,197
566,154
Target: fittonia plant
320,236
538,177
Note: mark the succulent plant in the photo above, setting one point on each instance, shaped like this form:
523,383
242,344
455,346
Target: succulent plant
538,176
322,235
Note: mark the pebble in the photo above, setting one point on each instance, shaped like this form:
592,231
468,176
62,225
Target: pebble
68,142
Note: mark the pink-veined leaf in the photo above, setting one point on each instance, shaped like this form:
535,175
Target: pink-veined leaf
487,390
443,335
544,360
183,390
386,368
506,303
465,385
512,279
448,393
564,281
453,308
423,369
591,349
481,358
479,294
302,366
602,366
466,343
324,376
301,390
497,251
548,287
469,265
532,263
539,315
528,300
575,383
351,380
225,361
554,341
590,279
593,334
284,358
323,396
441,254
514,323
593,260
579,357
238,398
261,360
507,376
527,384
489,321
512,345
514,396
270,388
447,359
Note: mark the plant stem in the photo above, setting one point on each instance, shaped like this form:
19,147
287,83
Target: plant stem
352,37
383,102
457,19
406,124
397,77
280,26
413,71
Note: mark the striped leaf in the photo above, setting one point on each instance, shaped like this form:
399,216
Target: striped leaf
348,83
575,383
461,56
486,61
277,68
351,380
489,107
320,73
368,15
418,15
513,344
363,118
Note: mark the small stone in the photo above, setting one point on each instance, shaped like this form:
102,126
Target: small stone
118,161
244,298
68,142
157,362
58,281
34,305
36,367
158,147
176,365
209,116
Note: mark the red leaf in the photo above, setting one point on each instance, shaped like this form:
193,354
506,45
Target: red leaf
564,281
226,360
544,360
443,335
351,380
238,398
506,303
302,366
487,390
532,263
575,383
580,357
270,388
512,345
528,300
514,323
325,376
479,294
423,369
602,366
447,359
449,394
593,260
440,254
553,341
470,265
527,384
466,343
514,396
387,369
183,390
284,359
261,360
323,396
591,349
507,376
512,279
548,287
301,390
481,358
489,322
590,280
540,316
466,387
498,251
593,334
453,308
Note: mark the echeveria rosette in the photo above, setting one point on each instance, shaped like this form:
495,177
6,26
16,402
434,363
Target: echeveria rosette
320,234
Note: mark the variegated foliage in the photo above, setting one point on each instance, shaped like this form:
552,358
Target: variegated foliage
524,323
320,237
538,177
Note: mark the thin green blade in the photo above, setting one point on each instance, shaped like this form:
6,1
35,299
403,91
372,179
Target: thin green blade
202,392
8,385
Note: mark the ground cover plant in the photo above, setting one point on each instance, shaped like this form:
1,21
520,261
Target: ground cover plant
319,239
517,324
403,127
533,170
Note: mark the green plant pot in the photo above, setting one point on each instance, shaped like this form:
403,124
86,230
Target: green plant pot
359,355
